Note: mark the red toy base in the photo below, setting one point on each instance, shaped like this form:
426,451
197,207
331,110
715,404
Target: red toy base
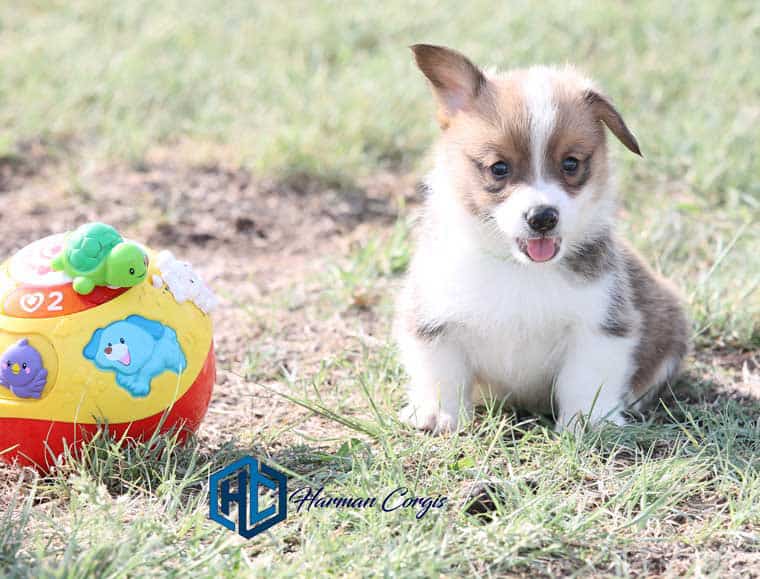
32,442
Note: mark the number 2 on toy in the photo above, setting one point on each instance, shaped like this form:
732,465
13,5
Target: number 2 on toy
32,302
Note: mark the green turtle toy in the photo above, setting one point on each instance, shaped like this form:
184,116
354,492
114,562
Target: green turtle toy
95,255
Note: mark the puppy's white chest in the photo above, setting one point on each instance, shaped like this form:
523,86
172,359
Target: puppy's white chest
515,325
517,361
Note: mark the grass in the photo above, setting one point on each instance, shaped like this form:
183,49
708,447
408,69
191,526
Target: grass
682,486
326,91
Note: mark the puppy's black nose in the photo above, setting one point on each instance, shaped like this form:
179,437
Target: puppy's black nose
542,218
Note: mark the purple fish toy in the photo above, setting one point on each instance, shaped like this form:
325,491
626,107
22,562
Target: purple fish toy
22,371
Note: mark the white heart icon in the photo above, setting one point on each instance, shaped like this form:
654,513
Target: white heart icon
31,302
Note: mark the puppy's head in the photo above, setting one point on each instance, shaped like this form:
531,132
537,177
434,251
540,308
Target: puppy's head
525,151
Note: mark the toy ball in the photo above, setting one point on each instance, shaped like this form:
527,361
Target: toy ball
96,329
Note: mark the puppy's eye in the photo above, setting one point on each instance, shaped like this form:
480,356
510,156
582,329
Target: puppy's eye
23,365
500,169
110,344
121,340
570,165
132,271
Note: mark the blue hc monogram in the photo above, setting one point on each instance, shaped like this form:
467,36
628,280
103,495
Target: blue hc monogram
247,474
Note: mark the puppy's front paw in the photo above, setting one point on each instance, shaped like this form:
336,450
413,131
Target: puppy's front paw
430,419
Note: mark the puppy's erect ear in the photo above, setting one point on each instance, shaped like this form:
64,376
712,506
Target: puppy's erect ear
607,113
456,81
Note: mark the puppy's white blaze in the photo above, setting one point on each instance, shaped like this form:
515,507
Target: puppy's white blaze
542,110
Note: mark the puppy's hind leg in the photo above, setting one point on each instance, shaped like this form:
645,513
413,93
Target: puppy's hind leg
439,387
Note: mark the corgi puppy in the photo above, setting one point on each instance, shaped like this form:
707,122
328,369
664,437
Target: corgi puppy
519,286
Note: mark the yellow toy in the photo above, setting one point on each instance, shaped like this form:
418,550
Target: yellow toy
76,354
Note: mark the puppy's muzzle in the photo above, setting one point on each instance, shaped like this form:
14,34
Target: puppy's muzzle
542,218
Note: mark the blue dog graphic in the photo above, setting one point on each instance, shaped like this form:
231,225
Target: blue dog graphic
136,349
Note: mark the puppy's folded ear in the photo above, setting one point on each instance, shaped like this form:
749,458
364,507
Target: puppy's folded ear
457,82
607,113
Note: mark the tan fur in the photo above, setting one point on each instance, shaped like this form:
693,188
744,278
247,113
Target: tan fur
484,141
607,113
578,133
456,81
485,119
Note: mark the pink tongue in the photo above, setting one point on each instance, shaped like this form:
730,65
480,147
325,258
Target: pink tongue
541,249
125,359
